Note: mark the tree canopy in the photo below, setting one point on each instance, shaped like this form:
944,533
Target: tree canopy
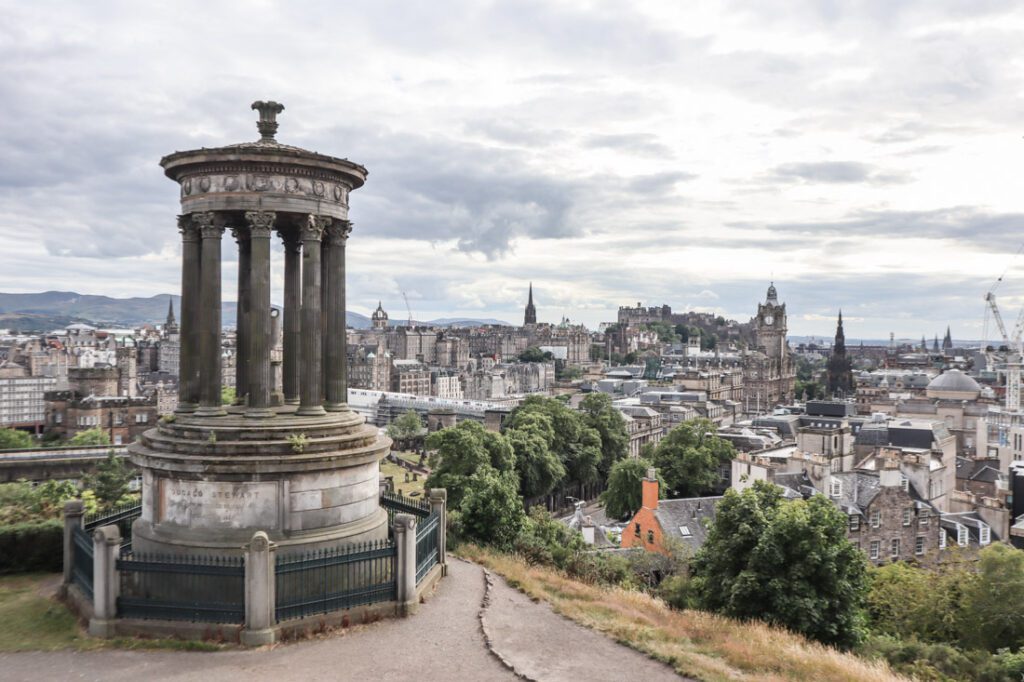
625,488
784,562
539,469
12,439
110,482
407,425
463,450
600,415
576,444
535,354
690,457
492,511
93,436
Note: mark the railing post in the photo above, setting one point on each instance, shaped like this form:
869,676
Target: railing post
74,510
439,506
260,586
106,583
405,544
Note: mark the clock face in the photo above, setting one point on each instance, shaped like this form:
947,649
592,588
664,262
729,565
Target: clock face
769,319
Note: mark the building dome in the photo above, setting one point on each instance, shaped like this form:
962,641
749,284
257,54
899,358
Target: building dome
953,384
379,317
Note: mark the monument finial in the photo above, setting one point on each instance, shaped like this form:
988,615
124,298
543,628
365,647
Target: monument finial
267,125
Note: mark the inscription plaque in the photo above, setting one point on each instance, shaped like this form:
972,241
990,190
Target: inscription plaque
206,504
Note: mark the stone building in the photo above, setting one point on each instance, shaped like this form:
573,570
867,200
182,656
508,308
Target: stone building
369,366
769,373
839,372
379,319
410,376
446,384
22,397
645,426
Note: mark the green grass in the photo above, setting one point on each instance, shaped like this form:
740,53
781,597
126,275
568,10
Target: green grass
398,475
31,620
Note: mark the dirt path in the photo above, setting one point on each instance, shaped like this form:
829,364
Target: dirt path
444,641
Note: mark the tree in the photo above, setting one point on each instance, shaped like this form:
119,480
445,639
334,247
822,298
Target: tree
461,451
785,562
407,425
577,445
600,415
110,482
690,457
908,602
570,373
991,617
12,439
227,395
491,509
538,468
93,436
535,354
625,487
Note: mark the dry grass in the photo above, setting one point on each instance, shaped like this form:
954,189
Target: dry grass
695,643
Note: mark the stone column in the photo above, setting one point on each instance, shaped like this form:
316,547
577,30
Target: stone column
242,324
312,324
261,225
106,584
439,506
405,544
260,584
292,315
209,309
74,510
188,331
335,341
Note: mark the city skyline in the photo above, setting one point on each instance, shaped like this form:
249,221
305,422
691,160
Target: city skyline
860,159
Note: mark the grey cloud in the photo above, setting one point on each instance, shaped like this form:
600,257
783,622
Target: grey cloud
641,144
834,172
659,183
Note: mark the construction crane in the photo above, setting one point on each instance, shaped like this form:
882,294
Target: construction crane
1014,350
408,308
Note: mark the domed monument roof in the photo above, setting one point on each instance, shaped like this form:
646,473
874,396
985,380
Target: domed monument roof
953,384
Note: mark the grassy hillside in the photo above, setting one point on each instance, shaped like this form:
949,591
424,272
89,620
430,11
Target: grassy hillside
695,643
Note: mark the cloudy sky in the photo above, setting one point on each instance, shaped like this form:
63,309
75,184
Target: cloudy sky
867,156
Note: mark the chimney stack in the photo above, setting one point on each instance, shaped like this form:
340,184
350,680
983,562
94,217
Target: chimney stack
649,490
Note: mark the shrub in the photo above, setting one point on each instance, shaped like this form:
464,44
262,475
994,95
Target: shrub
27,547
676,591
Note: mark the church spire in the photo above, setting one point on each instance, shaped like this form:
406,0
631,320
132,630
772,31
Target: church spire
530,316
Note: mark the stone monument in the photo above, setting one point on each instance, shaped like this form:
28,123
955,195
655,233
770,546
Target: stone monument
301,466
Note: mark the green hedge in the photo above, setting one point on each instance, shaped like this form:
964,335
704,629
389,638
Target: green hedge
29,547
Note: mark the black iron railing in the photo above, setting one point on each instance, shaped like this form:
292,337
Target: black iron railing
122,517
82,560
396,503
198,589
427,546
334,579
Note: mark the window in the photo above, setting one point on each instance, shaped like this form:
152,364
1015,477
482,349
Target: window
895,548
942,539
922,519
117,439
835,487
985,535
904,484
58,417
907,516
875,546
854,522
685,531
961,535
118,419
636,531
919,545
141,418
876,519
650,537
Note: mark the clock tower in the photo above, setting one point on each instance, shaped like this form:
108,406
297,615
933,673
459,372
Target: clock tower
770,326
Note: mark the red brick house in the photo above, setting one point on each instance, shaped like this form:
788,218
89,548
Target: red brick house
684,521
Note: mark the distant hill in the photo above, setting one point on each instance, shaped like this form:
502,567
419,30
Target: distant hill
52,310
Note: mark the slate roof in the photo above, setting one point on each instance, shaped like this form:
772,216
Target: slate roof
858,490
692,513
977,469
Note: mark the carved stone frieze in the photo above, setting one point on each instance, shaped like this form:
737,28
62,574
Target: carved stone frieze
215,183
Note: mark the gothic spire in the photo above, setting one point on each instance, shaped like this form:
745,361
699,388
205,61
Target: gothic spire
170,310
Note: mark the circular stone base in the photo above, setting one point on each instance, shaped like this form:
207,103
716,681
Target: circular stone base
210,483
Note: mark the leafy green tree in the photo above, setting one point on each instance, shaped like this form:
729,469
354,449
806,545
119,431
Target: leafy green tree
600,415
406,426
463,450
491,509
576,444
538,468
906,601
534,354
93,436
227,395
690,458
110,482
570,373
785,562
625,485
12,439
991,616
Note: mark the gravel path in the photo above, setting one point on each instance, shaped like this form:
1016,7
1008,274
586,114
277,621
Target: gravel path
444,641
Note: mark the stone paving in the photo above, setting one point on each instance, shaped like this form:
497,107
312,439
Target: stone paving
444,641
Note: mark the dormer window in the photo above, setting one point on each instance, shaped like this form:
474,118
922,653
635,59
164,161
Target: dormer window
942,539
985,535
905,484
835,487
961,535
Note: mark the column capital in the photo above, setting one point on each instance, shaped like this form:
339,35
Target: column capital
291,239
261,223
338,231
188,229
240,234
205,222
313,230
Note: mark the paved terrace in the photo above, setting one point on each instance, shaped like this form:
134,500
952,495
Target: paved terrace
444,641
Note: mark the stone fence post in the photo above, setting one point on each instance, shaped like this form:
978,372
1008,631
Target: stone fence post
74,511
405,544
106,583
260,584
439,505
